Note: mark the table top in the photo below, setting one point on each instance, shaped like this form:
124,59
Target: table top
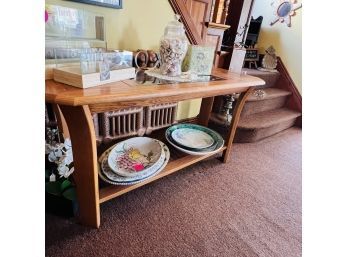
128,91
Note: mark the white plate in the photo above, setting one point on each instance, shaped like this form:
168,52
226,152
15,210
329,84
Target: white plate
196,153
124,180
139,154
192,138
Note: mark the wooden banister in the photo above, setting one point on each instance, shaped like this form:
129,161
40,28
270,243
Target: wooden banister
196,29
285,82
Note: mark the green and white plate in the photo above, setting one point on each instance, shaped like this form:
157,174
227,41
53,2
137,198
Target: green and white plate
192,138
217,144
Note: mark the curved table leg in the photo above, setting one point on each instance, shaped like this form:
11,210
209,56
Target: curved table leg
234,123
82,134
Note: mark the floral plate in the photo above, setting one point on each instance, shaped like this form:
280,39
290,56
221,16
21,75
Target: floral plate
135,156
110,174
120,180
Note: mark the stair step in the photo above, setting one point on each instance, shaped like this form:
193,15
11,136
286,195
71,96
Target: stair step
270,93
270,78
274,99
258,126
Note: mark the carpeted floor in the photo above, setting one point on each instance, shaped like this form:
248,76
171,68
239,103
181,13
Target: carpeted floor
248,207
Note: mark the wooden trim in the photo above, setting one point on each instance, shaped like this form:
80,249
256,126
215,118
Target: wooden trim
191,31
285,82
193,120
205,111
216,10
128,93
192,34
235,119
61,123
82,133
217,25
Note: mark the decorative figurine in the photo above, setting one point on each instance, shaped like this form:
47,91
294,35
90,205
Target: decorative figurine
141,58
153,60
224,116
144,59
269,61
284,9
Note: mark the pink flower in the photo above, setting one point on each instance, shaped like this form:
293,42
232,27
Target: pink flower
138,166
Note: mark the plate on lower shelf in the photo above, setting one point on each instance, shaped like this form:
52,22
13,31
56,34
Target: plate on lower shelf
105,171
218,140
192,137
212,151
134,156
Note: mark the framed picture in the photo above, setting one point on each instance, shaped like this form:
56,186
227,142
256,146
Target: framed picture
117,4
252,54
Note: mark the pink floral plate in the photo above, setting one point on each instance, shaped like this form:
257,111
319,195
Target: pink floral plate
135,156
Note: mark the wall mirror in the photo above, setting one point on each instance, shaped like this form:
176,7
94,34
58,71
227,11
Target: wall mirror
68,29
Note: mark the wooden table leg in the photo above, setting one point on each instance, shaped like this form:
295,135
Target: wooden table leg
234,123
63,128
205,111
81,129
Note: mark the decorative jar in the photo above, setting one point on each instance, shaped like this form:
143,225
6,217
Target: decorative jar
173,47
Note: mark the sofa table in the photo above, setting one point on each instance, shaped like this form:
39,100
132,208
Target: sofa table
76,107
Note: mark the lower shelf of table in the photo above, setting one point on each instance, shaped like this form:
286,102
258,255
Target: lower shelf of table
108,192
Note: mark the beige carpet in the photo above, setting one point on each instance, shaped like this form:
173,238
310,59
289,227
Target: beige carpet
248,207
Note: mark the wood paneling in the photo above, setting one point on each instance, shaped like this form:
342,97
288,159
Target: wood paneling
194,14
214,37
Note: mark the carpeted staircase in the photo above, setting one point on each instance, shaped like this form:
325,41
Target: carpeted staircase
265,115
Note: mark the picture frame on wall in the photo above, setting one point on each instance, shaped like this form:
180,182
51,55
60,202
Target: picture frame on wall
116,4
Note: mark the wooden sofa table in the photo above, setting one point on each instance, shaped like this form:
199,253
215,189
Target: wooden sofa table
77,106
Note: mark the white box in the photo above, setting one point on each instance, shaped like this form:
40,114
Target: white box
72,75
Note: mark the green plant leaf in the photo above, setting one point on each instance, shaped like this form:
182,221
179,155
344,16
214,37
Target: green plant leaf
47,174
53,188
70,193
65,184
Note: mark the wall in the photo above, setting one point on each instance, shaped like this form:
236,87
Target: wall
286,40
139,25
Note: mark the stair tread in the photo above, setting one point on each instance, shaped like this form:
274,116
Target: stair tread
267,118
270,93
255,72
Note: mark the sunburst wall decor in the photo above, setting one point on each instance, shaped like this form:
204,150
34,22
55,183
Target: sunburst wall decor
284,9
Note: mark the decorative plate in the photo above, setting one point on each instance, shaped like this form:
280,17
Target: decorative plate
192,138
110,174
214,135
130,181
211,151
135,156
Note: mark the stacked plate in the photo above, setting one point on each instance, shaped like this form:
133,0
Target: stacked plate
133,161
194,139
